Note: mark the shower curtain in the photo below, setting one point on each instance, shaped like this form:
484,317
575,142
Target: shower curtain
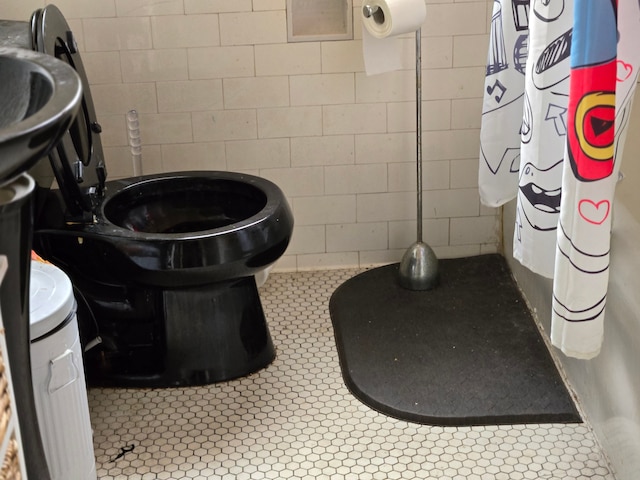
543,135
502,102
581,71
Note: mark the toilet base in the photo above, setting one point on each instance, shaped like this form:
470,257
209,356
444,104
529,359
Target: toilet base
155,337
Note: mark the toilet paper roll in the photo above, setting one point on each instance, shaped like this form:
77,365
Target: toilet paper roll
390,18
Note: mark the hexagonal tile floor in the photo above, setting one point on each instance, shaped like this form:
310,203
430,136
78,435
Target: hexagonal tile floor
295,419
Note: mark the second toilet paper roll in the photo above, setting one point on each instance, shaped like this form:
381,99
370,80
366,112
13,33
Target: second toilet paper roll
390,18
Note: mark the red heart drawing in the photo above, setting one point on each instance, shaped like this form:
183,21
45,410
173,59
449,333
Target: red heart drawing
624,71
593,212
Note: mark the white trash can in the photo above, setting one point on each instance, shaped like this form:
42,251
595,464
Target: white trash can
58,376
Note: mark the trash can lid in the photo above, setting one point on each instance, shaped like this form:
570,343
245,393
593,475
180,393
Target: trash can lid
51,298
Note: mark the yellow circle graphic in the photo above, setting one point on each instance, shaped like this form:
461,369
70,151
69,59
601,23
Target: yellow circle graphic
586,104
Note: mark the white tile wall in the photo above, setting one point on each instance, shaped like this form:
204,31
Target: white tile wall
256,92
253,28
217,86
153,65
255,154
193,156
138,8
220,62
290,122
113,34
115,98
189,96
288,59
173,31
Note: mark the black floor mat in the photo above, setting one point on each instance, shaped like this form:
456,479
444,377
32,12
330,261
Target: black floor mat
465,353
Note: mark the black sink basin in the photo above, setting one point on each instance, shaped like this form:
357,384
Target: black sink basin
39,97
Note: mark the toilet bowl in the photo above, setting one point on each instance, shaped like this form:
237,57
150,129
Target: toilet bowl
162,265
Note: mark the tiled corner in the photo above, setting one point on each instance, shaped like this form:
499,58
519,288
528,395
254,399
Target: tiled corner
295,419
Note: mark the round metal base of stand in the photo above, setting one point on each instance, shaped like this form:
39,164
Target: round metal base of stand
419,268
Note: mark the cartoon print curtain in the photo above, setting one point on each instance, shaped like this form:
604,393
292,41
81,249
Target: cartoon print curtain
581,71
502,103
543,135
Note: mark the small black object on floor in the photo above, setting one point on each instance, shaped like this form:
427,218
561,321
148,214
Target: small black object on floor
465,353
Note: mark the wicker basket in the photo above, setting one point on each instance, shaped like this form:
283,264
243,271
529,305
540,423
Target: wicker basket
5,403
11,464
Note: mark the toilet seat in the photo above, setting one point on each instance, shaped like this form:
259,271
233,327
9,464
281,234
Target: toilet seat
78,161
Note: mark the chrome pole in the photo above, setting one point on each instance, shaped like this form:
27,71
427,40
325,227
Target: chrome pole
419,266
419,129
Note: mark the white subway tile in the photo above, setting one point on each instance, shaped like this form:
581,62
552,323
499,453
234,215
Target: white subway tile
324,210
436,115
437,52
444,83
470,50
385,148
143,8
253,28
402,176
464,173
286,263
377,207
455,19
357,237
120,163
466,113
20,11
307,239
326,150
403,233
397,86
463,202
363,178
353,119
257,154
112,34
81,8
120,98
161,128
322,261
451,144
114,130
256,92
475,230
342,57
190,95
216,6
194,156
298,181
220,62
289,122
102,67
288,59
326,89
175,31
154,65
377,258
222,125
259,5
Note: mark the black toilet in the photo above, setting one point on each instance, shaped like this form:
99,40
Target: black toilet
163,265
